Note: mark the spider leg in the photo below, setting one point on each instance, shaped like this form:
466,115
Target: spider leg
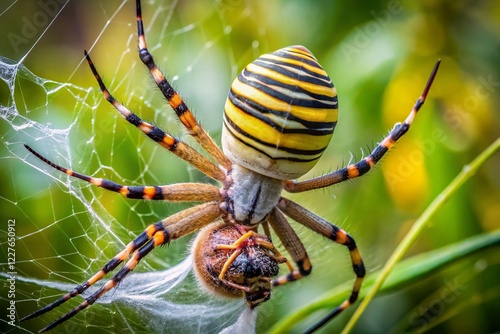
323,227
293,245
182,150
175,100
363,166
138,242
171,228
181,192
267,231
111,265
113,282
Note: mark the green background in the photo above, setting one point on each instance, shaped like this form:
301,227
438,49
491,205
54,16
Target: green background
379,56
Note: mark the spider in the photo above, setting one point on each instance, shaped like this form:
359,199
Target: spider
278,119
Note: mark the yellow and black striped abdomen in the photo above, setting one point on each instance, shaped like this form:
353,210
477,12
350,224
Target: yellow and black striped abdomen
280,114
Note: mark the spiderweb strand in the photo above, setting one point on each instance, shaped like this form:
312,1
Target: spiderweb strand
90,231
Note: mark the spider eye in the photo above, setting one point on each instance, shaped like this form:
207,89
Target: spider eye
280,114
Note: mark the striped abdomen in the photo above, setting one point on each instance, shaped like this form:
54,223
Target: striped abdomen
280,114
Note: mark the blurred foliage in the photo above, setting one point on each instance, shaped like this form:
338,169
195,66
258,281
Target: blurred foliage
411,269
379,55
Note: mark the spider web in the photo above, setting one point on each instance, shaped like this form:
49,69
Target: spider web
67,229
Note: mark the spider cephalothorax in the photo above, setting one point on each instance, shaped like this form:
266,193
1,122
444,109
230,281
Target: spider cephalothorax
278,120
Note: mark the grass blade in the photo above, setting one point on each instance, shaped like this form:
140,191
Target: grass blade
407,270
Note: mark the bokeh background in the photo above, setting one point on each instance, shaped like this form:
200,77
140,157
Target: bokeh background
379,55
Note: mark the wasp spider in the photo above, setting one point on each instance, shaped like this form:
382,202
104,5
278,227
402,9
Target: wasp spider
278,119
